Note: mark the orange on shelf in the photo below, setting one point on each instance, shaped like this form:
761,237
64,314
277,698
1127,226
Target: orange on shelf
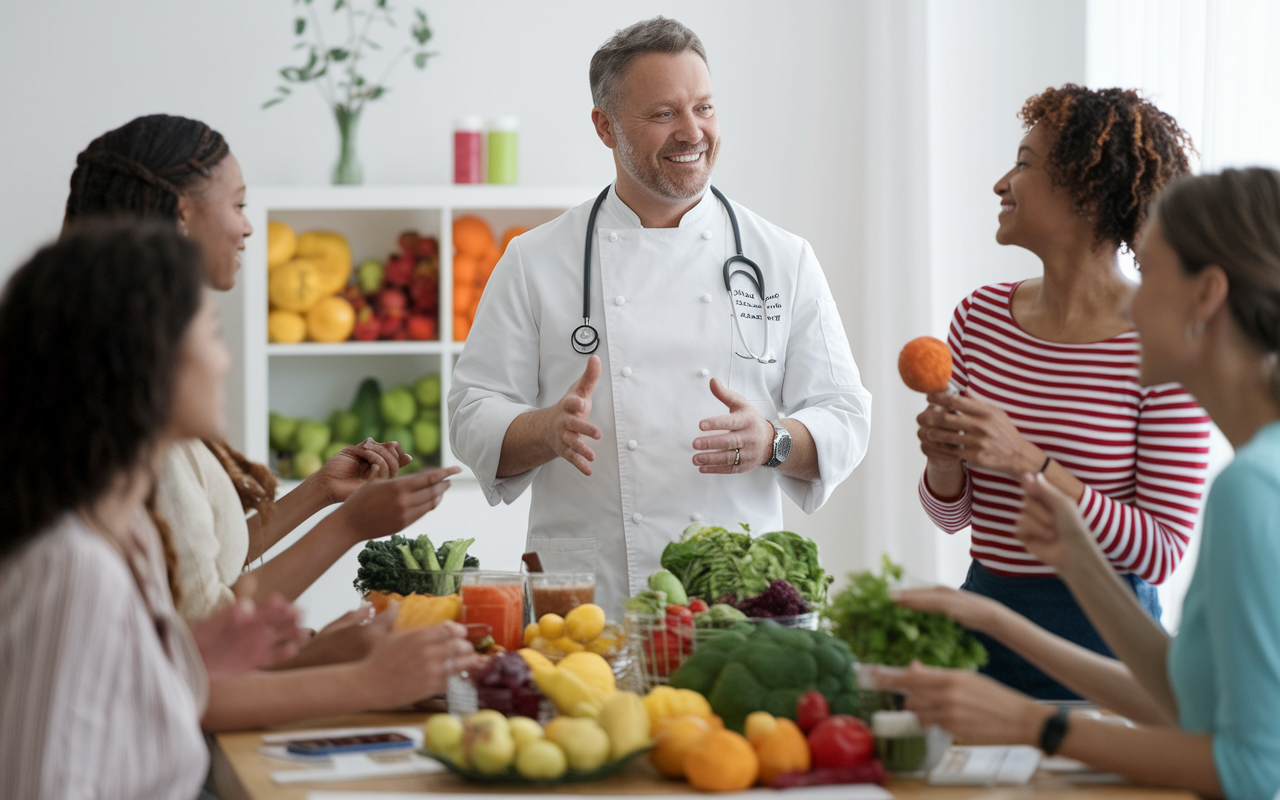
925,364
472,236
461,327
510,234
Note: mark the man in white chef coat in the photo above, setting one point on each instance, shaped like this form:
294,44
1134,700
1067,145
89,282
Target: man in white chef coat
701,404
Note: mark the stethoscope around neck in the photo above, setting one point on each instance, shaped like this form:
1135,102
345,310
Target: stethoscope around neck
586,339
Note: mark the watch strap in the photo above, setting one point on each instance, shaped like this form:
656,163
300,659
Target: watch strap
1054,731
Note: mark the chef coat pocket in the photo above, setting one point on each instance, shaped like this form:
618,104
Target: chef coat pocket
567,554
839,355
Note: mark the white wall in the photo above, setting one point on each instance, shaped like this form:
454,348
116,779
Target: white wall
874,129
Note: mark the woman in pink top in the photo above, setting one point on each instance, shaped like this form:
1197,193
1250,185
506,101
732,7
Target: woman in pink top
1048,370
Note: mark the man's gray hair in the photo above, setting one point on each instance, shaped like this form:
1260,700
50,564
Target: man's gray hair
657,35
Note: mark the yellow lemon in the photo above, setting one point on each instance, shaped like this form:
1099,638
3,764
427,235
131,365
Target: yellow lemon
566,645
286,327
282,244
530,633
585,622
295,286
331,320
552,626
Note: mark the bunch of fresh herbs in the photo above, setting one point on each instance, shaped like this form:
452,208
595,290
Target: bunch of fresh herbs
882,632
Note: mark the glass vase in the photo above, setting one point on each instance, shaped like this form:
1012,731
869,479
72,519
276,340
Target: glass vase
347,172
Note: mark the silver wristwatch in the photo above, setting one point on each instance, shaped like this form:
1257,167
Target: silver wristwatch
781,445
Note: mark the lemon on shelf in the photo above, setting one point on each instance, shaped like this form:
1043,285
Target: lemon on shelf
286,327
282,244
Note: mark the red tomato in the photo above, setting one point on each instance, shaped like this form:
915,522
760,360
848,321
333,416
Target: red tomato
811,708
841,741
679,612
697,606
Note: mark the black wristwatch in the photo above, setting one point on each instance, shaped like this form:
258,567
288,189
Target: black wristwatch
781,445
1054,731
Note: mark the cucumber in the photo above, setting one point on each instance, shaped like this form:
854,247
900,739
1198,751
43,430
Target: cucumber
368,407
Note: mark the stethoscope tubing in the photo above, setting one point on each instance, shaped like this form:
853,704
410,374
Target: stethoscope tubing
585,338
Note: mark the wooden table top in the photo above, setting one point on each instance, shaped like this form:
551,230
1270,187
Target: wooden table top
240,772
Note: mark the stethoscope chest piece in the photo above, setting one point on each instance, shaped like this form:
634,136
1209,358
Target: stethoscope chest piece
585,339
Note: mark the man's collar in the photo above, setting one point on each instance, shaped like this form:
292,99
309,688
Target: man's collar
622,214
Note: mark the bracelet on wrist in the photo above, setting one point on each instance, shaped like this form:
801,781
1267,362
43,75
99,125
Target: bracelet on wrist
1045,465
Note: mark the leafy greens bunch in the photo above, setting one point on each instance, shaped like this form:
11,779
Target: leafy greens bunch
405,566
882,632
714,563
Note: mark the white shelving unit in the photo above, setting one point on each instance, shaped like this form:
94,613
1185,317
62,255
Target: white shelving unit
310,379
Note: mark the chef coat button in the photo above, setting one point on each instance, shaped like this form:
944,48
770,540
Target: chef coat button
706,298
633,444
695,518
706,234
637,518
619,300
613,237
626,372
704,372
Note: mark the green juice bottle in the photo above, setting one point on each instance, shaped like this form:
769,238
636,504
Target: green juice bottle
504,147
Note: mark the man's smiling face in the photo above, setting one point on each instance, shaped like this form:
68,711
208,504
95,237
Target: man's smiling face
665,126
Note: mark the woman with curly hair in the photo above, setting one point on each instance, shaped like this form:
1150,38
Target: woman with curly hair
1048,372
1207,699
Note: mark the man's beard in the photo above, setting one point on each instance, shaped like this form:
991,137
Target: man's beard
652,177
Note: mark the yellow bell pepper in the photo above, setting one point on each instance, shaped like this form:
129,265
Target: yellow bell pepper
664,702
422,611
779,744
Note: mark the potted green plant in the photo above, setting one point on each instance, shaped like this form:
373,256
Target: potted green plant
337,70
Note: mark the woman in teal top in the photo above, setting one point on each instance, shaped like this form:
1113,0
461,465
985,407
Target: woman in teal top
1208,700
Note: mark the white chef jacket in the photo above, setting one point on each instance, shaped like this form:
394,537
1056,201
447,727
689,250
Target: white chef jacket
666,328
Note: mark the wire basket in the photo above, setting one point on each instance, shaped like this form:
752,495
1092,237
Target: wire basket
657,649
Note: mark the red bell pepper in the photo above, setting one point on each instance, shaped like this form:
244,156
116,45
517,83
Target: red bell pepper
841,741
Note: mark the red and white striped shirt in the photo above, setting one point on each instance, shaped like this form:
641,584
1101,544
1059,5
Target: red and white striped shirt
1142,453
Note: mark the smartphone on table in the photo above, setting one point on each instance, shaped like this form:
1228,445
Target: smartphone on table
349,744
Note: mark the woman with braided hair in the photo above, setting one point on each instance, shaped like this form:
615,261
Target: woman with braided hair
221,507
1048,372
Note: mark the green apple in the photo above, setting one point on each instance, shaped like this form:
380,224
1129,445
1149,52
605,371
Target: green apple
332,450
398,407
401,434
312,436
305,463
430,415
281,430
345,425
426,437
369,275
427,391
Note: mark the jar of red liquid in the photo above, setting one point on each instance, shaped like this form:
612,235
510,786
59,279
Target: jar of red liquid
468,139
496,599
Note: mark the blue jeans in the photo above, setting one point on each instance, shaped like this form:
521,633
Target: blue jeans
1048,603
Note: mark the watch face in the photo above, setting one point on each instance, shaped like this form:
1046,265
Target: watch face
782,448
